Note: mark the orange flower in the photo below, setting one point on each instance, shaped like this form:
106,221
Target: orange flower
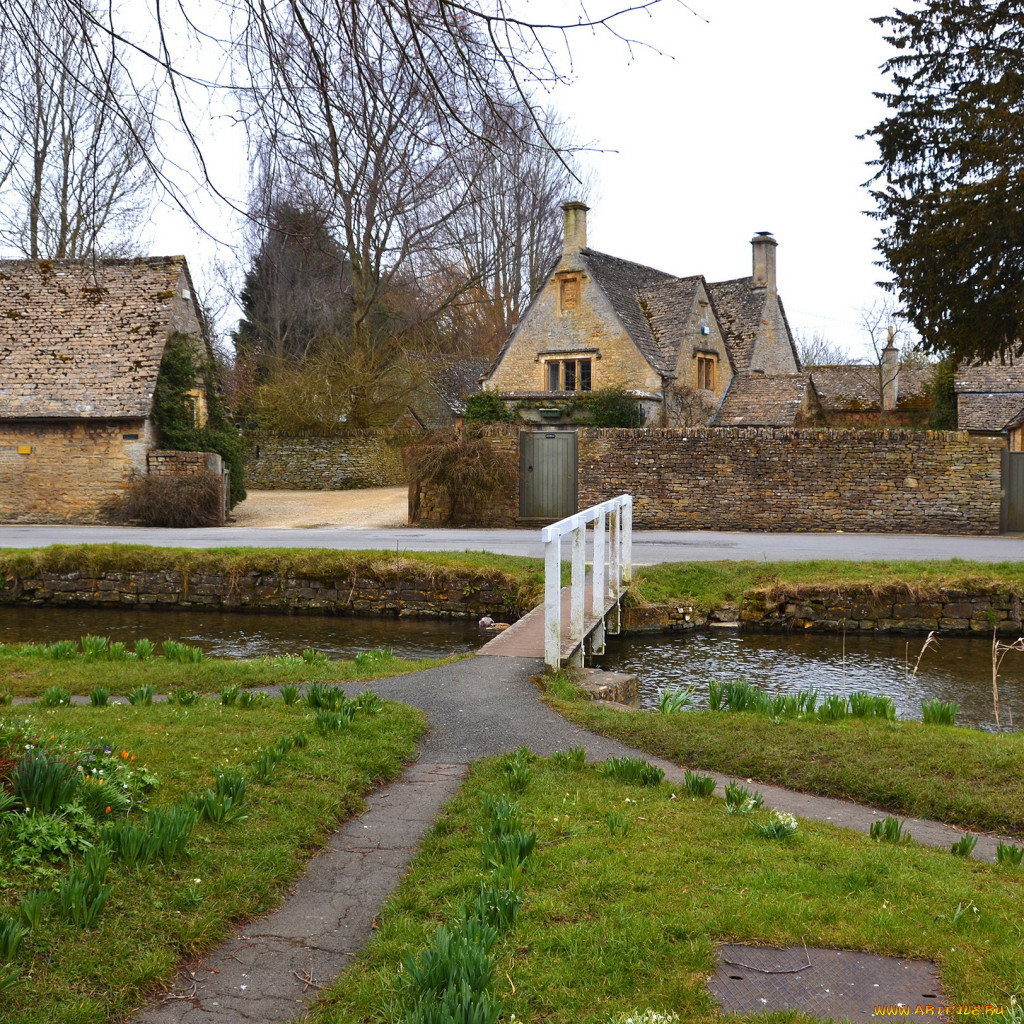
107,811
124,753
133,757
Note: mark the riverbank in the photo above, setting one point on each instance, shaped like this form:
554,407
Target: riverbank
955,597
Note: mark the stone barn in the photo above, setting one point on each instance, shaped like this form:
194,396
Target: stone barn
80,350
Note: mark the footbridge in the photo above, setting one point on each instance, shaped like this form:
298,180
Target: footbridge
575,619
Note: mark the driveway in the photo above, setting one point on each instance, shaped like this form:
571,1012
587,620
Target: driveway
371,508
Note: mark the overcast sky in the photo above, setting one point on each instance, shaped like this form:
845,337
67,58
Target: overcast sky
747,121
749,125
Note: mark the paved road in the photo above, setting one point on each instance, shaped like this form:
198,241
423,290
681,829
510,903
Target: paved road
648,546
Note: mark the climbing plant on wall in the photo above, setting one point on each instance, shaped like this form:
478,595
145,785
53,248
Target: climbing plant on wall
183,370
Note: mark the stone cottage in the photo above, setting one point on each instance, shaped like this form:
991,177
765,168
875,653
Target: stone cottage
676,343
80,349
990,400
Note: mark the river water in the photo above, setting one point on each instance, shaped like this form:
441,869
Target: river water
959,669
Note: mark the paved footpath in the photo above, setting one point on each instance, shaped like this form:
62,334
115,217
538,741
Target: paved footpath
478,707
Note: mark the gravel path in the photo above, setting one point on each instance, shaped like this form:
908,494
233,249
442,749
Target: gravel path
478,707
372,508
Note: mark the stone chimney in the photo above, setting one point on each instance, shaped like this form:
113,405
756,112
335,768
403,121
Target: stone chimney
764,261
575,236
890,374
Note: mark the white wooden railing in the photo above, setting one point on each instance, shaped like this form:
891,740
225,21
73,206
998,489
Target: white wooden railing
612,550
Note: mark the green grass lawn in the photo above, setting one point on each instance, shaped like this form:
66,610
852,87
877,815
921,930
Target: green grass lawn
159,914
28,670
711,584
631,887
960,776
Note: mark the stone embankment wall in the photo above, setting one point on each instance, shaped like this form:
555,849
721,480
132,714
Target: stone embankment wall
340,461
946,611
471,597
775,479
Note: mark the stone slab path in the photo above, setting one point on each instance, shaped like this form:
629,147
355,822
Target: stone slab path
479,707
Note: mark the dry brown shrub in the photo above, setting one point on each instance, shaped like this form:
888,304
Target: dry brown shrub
172,501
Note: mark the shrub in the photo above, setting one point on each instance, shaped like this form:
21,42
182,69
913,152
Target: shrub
464,466
487,407
611,407
173,501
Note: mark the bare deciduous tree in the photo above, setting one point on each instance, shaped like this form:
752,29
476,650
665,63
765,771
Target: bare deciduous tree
74,147
815,349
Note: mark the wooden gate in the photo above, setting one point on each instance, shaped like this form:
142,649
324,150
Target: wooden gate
547,474
1011,510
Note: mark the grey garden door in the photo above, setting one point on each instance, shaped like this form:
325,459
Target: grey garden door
1011,511
547,474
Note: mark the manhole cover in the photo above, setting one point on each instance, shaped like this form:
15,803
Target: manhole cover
836,983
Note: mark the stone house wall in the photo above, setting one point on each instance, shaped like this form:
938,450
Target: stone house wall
782,480
549,331
68,472
339,461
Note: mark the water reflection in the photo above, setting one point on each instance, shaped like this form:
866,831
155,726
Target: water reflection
245,634
959,669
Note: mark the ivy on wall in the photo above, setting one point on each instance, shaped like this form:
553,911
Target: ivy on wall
182,370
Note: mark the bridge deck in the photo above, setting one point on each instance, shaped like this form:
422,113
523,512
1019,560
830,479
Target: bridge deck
525,638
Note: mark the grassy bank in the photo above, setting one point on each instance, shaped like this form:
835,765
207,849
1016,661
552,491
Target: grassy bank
522,579
630,888
960,776
29,670
177,905
708,585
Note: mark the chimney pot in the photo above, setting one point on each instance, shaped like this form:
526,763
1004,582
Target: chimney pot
890,374
575,234
764,245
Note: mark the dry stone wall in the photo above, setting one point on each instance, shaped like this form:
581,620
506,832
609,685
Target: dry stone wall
471,597
340,461
775,480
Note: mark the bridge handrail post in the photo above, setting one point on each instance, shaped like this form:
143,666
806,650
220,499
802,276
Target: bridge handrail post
619,550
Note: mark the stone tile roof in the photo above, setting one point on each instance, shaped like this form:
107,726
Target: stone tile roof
623,283
740,310
988,413
668,306
456,382
765,400
990,378
84,340
856,388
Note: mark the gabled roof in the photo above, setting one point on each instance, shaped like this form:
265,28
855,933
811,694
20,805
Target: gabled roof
856,387
623,283
84,339
455,382
990,378
668,306
740,310
765,400
988,413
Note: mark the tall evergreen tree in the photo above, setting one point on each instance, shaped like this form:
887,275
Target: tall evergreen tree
951,174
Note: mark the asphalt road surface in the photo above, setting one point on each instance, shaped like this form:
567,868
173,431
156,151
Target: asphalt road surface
648,546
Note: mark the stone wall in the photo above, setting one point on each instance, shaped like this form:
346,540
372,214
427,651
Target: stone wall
945,610
55,472
339,461
773,479
469,597
781,480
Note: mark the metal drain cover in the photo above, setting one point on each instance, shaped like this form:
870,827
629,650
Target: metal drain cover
828,983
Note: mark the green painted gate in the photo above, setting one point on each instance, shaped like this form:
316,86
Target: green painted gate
1011,510
547,474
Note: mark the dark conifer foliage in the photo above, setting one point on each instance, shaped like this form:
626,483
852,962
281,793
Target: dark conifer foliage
950,175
